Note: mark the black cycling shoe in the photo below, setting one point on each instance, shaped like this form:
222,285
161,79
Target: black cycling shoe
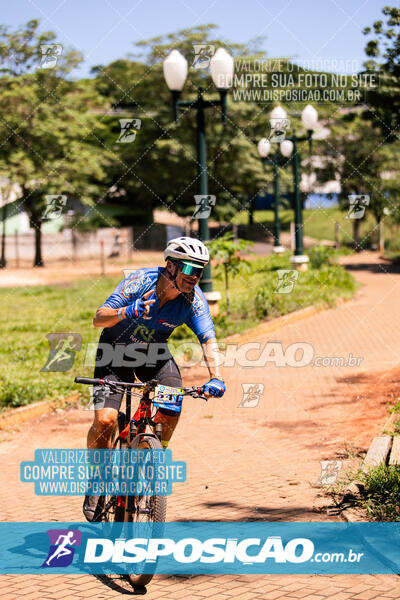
92,508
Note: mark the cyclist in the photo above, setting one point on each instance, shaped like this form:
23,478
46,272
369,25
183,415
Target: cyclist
137,320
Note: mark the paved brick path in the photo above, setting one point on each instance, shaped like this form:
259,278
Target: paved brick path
244,464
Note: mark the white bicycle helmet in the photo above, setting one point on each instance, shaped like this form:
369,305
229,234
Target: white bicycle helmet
188,249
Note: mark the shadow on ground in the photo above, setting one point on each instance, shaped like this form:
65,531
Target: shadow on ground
253,513
121,584
384,268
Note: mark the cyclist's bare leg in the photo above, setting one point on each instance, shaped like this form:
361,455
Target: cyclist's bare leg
99,435
169,422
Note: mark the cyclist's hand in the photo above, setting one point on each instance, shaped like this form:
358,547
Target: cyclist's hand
214,387
140,307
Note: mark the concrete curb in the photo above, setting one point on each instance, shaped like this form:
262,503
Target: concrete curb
289,319
350,515
378,453
19,415
274,324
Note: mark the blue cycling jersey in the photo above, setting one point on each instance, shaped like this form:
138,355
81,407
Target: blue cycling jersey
158,325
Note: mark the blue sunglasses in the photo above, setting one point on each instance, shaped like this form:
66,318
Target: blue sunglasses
188,269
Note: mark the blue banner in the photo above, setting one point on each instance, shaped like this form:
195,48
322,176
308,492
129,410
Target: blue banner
200,548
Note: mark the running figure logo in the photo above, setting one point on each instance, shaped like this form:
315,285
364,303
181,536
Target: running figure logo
329,471
128,127
203,53
50,55
204,204
279,128
286,280
60,551
251,394
98,395
357,205
54,206
62,351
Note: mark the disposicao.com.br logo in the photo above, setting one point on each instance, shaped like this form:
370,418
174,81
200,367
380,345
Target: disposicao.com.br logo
212,550
61,551
200,548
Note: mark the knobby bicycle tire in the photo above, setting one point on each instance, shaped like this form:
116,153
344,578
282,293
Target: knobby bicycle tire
116,514
158,506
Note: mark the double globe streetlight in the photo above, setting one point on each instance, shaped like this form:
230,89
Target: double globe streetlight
264,149
175,69
288,147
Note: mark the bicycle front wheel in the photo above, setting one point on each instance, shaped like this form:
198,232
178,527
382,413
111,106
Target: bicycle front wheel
150,510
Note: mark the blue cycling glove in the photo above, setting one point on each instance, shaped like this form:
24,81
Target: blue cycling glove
135,310
215,387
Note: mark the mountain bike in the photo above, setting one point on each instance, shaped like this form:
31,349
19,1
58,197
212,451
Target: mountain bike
131,433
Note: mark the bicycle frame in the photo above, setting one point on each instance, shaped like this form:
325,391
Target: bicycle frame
137,424
141,417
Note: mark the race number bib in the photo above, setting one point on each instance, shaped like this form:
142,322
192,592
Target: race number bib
168,397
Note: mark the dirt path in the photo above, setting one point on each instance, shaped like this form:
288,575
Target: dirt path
258,463
67,271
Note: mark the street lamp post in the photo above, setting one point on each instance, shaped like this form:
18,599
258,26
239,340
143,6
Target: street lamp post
264,147
289,146
175,72
3,262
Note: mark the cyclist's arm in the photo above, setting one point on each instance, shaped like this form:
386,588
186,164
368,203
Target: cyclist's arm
123,295
107,317
200,322
211,357
107,314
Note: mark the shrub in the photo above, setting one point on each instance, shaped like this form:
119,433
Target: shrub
382,493
321,255
263,302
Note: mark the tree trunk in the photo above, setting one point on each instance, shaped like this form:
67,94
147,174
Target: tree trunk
38,262
227,289
251,211
381,236
356,234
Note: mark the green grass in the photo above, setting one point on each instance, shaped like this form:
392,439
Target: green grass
379,493
31,313
393,255
395,428
382,493
320,224
28,315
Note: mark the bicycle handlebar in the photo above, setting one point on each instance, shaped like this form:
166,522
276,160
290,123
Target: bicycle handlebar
195,392
88,380
92,381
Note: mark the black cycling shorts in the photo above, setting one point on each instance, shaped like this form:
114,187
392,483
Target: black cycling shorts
165,371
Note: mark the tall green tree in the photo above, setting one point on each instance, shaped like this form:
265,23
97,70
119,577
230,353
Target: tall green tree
356,153
49,127
383,51
159,169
